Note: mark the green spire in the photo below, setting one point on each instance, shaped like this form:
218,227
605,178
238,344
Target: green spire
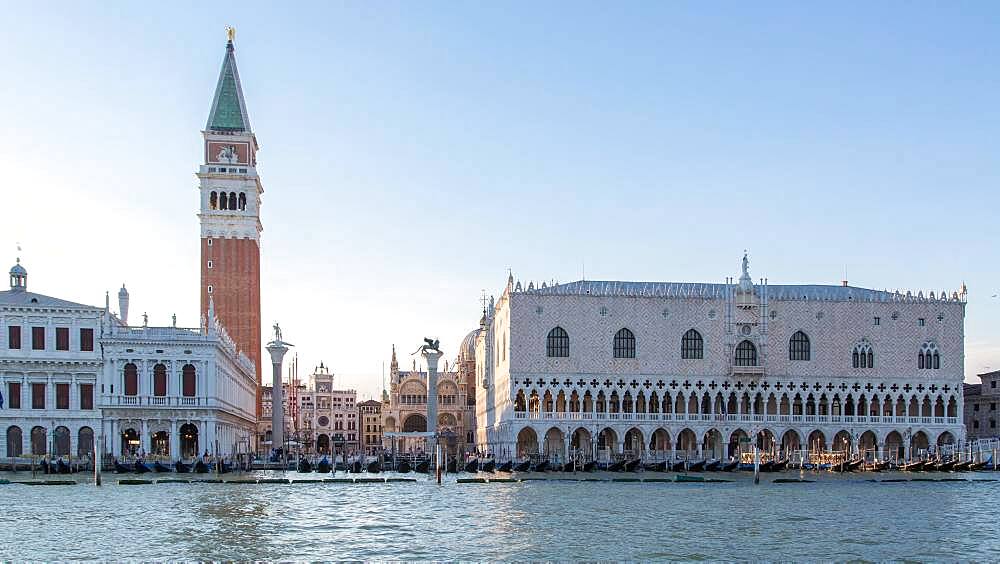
229,111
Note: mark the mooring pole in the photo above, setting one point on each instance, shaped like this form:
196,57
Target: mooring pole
97,461
756,465
437,462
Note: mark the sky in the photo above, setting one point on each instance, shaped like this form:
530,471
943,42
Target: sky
412,152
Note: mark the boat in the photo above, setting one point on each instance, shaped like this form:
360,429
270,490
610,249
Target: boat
62,467
571,466
423,467
542,466
182,468
766,466
121,468
304,467
356,467
713,466
323,467
677,466
403,467
656,466
523,466
374,467
913,466
141,468
506,466
451,467
729,466
697,466
472,466
633,465
590,466
488,466
948,466
616,466
962,466
160,468
44,465
779,465
201,468
225,467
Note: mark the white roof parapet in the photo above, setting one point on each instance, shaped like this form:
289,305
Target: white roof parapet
807,292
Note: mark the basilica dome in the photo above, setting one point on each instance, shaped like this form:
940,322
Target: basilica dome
467,350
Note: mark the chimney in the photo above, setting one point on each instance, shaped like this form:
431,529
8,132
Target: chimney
123,304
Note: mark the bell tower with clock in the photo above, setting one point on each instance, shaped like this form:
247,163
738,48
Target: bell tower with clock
230,193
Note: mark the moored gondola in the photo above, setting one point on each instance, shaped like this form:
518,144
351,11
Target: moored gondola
356,467
523,466
660,466
121,468
374,467
542,466
616,466
62,467
403,467
779,465
713,466
160,468
766,466
962,466
489,466
697,466
729,466
451,467
182,468
677,466
913,466
323,466
45,466
224,467
472,466
633,465
140,467
201,468
423,467
947,466
506,466
590,466
304,466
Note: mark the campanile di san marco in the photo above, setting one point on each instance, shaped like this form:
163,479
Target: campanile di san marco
230,192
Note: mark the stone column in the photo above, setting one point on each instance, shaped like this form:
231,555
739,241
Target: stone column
432,357
277,349
145,440
175,451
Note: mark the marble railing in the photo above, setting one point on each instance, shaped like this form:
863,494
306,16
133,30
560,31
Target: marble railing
734,418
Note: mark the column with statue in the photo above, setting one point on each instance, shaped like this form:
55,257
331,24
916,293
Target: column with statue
277,348
432,353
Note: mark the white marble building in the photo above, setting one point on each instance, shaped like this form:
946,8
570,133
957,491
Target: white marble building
175,392
612,369
49,366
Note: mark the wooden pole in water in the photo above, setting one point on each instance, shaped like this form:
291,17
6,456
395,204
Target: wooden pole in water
437,462
97,461
756,465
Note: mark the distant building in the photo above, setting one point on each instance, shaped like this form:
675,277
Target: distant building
370,423
50,363
623,369
176,392
981,402
318,417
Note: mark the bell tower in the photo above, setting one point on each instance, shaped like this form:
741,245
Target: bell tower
230,192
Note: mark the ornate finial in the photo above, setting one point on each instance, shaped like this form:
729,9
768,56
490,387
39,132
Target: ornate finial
230,33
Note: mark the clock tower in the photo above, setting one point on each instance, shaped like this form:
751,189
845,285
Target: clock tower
230,192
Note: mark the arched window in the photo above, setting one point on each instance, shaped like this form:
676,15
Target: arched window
189,381
85,441
243,201
557,343
929,358
15,442
863,355
39,440
232,201
159,380
131,380
223,201
798,346
213,201
692,345
624,344
746,354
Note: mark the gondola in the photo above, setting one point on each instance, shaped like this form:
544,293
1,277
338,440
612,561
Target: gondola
697,466
63,468
713,466
472,466
182,468
948,466
304,466
403,467
523,466
570,466
323,467
200,467
45,466
855,465
729,466
617,466
160,468
451,467
779,465
506,466
140,467
962,466
423,467
225,467
356,467
121,468
590,466
633,465
656,466
374,467
913,466
984,465
489,466
677,466
766,466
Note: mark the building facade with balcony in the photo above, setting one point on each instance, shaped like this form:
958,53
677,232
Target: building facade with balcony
49,367
623,369
175,392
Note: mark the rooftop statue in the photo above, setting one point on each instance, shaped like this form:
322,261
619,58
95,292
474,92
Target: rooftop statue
277,332
746,264
431,345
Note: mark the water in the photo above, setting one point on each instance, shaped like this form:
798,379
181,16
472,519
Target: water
839,518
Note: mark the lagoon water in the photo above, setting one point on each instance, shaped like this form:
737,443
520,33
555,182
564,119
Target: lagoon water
840,518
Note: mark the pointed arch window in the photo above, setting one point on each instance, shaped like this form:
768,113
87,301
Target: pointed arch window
557,343
863,355
928,358
798,346
692,345
624,344
746,354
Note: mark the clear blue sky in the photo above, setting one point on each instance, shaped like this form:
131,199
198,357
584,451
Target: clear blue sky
412,152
